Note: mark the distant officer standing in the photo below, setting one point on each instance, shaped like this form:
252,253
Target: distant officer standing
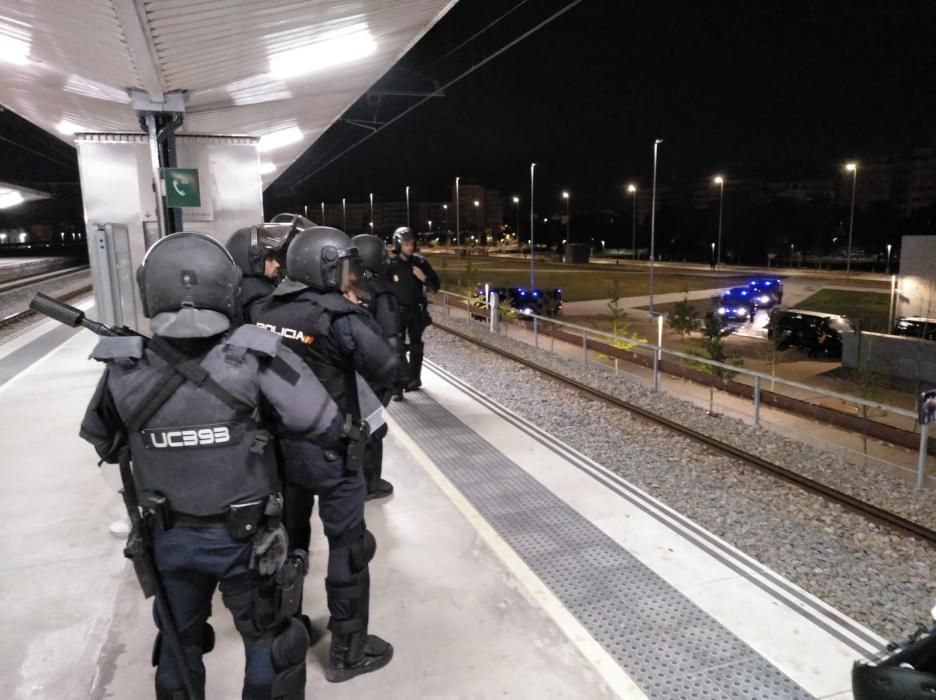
193,406
411,275
384,307
316,311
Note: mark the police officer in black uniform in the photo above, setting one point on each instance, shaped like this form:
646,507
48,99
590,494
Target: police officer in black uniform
317,313
193,406
411,275
378,297
260,253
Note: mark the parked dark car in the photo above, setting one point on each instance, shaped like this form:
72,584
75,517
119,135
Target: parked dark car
916,327
818,332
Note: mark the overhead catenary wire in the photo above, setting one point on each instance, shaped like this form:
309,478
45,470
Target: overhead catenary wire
440,90
470,39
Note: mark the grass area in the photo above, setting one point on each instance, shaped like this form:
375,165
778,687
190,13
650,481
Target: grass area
577,283
869,309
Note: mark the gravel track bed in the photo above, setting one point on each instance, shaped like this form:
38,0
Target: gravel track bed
880,578
865,482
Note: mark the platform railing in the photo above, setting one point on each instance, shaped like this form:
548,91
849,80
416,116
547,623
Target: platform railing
602,349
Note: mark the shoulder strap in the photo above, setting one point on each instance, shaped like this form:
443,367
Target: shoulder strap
180,369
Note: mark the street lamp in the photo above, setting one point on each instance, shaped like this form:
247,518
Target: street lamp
344,216
372,210
791,255
407,206
516,201
720,181
568,201
632,188
656,145
713,254
430,225
445,220
323,214
887,270
853,169
532,284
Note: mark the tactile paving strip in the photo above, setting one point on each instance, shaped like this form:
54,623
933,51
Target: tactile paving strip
670,647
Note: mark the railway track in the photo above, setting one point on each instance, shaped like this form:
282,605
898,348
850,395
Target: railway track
32,280
863,508
16,284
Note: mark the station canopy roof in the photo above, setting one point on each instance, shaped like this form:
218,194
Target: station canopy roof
282,70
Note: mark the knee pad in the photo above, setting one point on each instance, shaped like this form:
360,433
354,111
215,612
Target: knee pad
350,552
363,552
290,645
289,659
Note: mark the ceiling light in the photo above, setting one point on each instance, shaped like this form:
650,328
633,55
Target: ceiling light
68,128
10,198
267,168
330,49
14,50
277,139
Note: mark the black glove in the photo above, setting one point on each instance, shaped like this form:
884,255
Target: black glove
269,550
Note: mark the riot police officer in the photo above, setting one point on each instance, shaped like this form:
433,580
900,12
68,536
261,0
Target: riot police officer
315,310
260,251
191,407
412,275
379,299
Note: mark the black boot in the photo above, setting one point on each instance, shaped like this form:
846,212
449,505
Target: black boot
379,488
352,650
352,654
416,361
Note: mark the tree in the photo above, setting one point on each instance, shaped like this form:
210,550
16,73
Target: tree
624,338
712,347
684,318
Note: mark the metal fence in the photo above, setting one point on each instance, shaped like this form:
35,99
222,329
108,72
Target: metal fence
663,369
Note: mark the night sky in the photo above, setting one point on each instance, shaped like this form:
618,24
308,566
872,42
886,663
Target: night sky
775,89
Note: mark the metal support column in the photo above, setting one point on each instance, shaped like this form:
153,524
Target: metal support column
756,400
492,313
921,461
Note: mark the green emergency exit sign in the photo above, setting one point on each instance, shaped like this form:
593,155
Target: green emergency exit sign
181,187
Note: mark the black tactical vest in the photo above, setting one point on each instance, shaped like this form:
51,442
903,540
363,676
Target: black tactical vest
305,319
196,450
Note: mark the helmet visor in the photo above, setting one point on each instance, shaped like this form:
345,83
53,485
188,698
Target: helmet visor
351,268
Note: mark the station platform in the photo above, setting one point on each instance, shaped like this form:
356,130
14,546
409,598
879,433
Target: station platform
508,565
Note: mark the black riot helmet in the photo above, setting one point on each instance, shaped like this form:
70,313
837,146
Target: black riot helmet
322,258
373,252
904,671
402,234
188,285
252,247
